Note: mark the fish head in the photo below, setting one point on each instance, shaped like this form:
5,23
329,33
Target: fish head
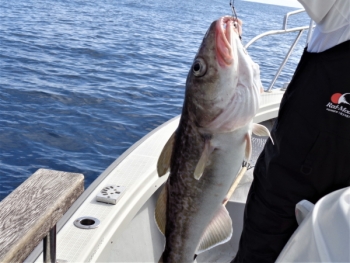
214,92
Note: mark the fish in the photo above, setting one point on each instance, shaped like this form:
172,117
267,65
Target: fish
205,153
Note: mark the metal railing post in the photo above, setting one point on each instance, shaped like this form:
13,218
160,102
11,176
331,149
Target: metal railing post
285,19
275,32
49,242
285,60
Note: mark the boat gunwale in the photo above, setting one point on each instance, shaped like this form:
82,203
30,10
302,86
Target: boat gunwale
268,110
95,184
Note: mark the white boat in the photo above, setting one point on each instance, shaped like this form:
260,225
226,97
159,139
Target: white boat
124,230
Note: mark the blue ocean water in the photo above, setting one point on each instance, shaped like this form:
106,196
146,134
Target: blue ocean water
81,81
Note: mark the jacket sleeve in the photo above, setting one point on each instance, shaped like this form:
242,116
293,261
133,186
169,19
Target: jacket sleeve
317,9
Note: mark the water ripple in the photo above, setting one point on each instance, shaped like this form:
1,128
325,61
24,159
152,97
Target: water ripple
81,81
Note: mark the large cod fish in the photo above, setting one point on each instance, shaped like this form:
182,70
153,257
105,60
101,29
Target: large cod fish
206,151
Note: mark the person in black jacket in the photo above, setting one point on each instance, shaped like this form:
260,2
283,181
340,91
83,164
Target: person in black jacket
311,152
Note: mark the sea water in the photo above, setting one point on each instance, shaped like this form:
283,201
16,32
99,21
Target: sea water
81,81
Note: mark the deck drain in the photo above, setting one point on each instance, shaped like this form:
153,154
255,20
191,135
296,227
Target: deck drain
87,222
110,194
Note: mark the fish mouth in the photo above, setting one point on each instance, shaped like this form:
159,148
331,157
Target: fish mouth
226,27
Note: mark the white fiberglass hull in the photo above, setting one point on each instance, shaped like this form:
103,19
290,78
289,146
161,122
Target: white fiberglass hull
127,232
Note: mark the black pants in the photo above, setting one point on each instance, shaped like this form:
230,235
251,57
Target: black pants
310,157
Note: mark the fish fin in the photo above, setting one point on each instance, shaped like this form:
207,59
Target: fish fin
160,211
235,184
219,231
248,146
200,167
163,164
247,156
261,130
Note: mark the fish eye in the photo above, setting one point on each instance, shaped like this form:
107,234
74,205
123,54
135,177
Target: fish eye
199,67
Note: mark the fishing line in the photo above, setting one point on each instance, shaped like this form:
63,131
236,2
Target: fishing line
234,15
232,4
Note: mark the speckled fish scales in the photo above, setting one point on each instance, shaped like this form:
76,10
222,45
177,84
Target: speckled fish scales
206,152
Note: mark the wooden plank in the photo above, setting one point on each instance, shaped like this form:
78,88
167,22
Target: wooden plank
30,211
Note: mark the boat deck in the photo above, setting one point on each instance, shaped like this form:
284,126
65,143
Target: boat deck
135,170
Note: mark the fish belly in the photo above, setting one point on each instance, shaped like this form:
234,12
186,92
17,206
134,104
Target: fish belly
190,214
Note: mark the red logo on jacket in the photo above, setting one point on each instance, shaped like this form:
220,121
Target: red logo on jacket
338,98
335,107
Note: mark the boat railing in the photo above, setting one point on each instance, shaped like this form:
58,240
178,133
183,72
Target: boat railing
284,30
30,213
